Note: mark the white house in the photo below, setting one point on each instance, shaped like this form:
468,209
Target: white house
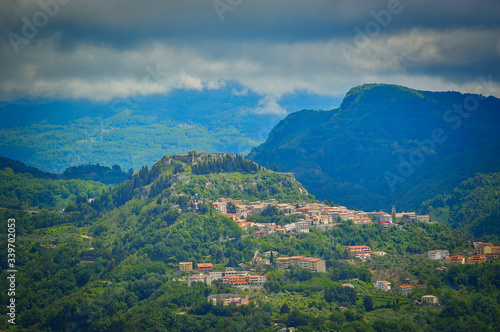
438,254
382,285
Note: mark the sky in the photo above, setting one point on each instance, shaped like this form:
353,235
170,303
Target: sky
105,49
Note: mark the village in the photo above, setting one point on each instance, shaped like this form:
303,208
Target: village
320,216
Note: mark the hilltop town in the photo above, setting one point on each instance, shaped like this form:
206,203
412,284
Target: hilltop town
318,215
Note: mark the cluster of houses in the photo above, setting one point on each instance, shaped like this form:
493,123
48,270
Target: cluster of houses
404,290
386,286
314,214
483,252
229,276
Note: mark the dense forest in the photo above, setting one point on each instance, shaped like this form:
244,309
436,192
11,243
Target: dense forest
473,207
112,264
387,145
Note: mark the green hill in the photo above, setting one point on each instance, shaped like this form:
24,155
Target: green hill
387,145
113,264
474,207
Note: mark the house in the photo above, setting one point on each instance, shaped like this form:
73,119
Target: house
274,253
258,259
348,285
430,299
302,226
235,280
199,278
423,218
455,259
256,280
404,290
476,259
438,254
185,266
495,253
385,218
203,267
484,248
244,280
353,250
226,299
310,263
382,285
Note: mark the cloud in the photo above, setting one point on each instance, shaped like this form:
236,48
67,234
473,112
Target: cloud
104,50
269,105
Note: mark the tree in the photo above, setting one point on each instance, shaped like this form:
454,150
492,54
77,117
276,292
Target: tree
368,303
230,207
284,309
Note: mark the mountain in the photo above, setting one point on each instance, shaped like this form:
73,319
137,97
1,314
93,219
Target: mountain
133,131
387,145
473,207
19,167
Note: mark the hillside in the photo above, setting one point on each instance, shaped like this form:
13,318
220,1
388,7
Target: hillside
473,207
113,264
172,177
387,145
19,167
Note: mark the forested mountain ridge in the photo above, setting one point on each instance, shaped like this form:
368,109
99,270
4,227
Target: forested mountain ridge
113,264
473,207
387,145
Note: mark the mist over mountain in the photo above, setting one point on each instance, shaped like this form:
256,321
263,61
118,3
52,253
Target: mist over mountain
387,144
137,130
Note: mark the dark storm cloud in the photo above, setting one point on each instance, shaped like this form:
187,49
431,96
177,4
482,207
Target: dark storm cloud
102,49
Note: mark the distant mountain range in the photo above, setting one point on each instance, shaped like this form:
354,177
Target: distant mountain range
387,145
53,135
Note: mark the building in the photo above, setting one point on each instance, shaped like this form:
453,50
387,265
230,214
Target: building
256,280
423,218
226,299
455,259
404,290
199,278
203,267
185,266
302,226
347,285
484,248
385,218
354,250
476,259
235,280
311,263
430,299
382,285
438,254
495,253
244,280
